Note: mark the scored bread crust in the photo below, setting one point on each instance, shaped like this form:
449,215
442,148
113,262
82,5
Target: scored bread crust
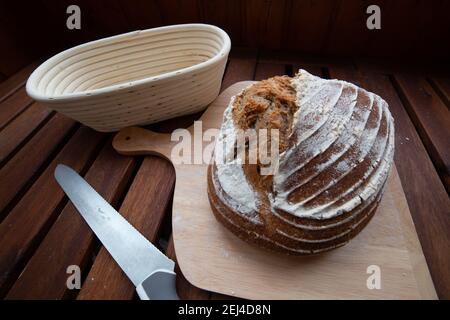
330,179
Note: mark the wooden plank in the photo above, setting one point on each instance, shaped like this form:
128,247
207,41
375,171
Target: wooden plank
346,73
426,196
13,56
274,23
143,14
263,23
347,29
13,83
12,106
70,241
333,26
225,15
144,207
267,70
185,290
431,117
240,68
113,23
24,227
169,125
26,163
442,87
25,35
308,25
292,57
402,64
412,33
179,11
268,66
62,37
20,128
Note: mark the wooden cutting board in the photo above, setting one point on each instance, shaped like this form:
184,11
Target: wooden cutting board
212,258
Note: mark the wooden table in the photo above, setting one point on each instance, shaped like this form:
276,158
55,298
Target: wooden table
41,233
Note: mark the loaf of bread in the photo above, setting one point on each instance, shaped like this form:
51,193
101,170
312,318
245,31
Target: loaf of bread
335,146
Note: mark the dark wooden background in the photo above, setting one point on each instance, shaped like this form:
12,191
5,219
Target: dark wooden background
411,29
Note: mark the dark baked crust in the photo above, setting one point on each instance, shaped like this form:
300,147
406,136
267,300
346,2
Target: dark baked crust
257,233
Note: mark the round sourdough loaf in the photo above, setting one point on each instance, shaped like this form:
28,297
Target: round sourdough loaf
335,146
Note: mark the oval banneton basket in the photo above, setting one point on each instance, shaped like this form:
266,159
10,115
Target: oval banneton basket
135,78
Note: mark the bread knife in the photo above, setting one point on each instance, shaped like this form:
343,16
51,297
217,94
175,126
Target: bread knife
151,272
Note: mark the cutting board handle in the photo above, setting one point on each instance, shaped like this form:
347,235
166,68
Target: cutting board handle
138,141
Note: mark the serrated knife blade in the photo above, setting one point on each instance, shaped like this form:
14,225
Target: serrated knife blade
147,267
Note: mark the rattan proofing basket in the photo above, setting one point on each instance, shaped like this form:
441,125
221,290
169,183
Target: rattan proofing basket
135,78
